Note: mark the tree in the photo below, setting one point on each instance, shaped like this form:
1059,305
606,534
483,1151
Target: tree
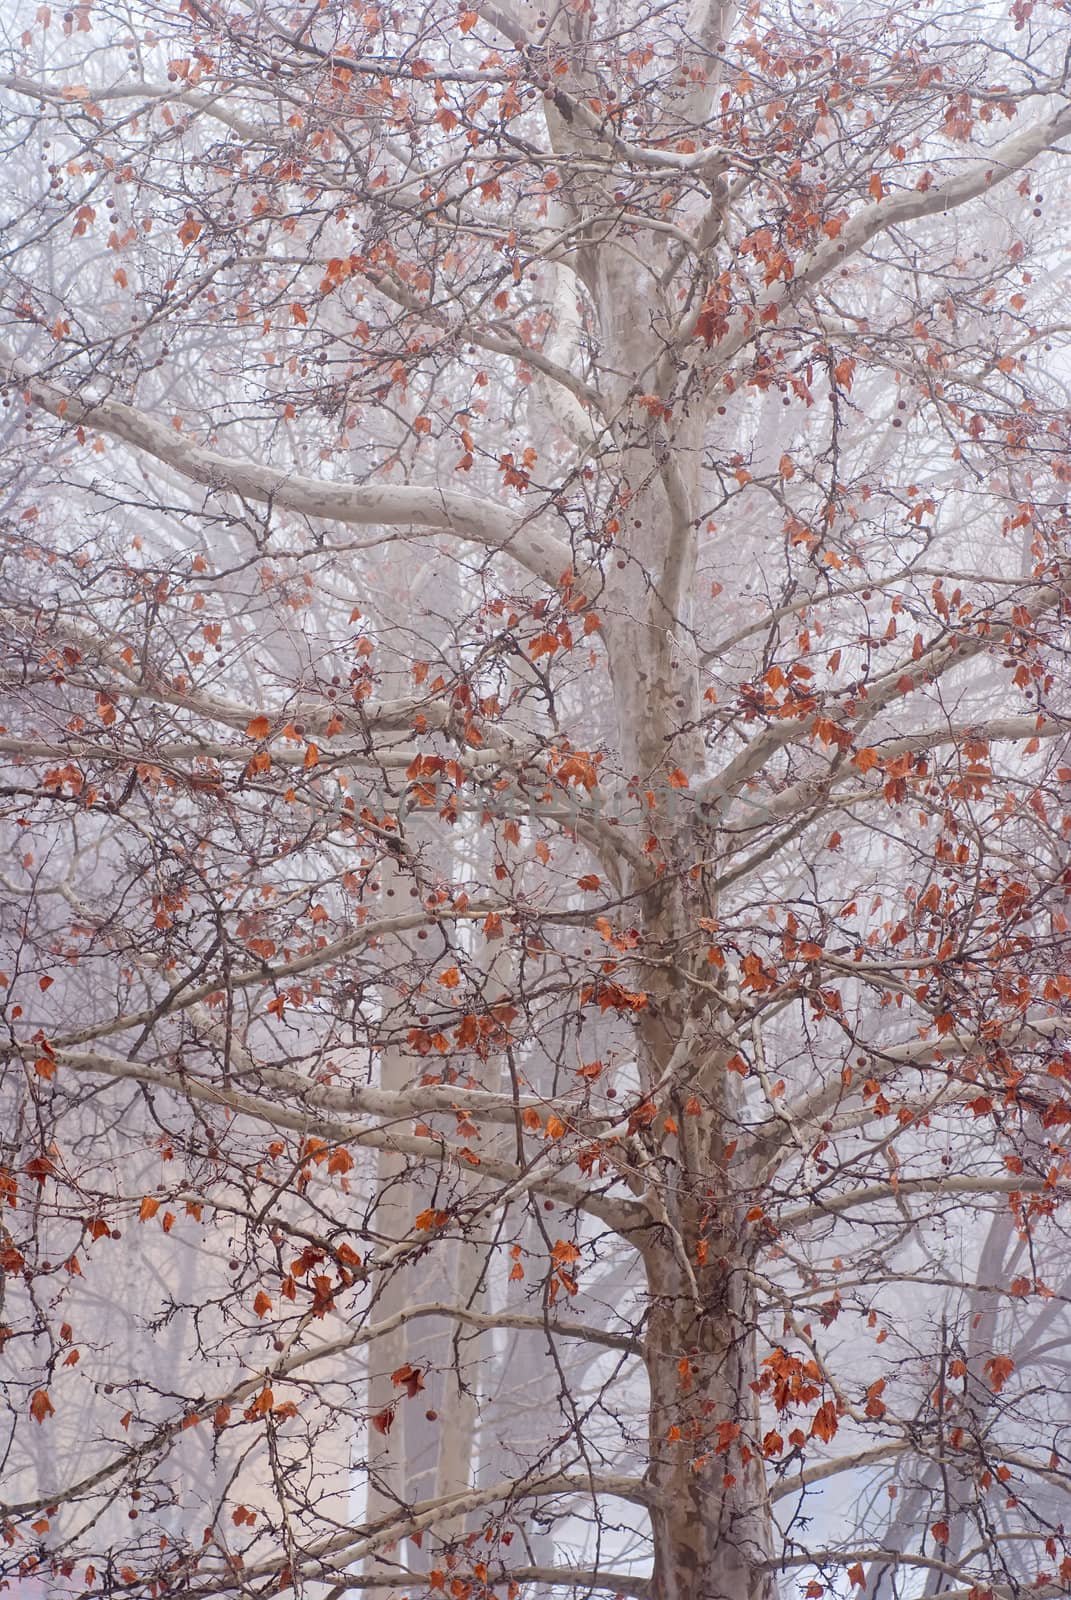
535,614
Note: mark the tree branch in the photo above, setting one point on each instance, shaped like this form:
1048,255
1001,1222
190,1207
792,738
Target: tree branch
355,505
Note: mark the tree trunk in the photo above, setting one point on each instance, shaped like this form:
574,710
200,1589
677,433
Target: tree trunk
709,1515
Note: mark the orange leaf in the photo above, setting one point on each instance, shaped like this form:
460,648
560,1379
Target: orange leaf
312,756
258,728
677,779
429,1219
148,1208
260,762
41,1406
824,1425
262,1304
260,1406
410,1378
999,1369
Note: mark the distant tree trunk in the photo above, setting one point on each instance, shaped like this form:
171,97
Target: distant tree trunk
387,1459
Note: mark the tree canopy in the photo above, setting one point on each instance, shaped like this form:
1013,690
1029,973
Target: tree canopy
535,771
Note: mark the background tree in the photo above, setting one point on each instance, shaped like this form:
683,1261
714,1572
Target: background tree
535,979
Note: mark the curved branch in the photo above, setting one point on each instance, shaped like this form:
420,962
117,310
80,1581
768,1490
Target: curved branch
624,1216
989,171
355,505
950,1188
576,1578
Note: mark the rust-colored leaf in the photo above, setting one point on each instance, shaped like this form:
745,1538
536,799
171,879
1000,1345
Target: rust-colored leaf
1000,1369
41,1406
409,1378
824,1425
